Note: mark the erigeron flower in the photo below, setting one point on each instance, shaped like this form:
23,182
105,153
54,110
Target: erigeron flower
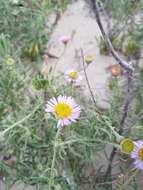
127,146
137,155
65,39
73,76
64,108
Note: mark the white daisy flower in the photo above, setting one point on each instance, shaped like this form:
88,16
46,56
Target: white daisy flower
64,108
73,76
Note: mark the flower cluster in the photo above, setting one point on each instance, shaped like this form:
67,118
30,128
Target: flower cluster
65,108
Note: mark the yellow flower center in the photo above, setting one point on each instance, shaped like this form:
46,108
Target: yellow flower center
140,154
127,146
73,74
63,110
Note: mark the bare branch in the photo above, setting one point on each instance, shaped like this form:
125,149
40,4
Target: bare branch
108,43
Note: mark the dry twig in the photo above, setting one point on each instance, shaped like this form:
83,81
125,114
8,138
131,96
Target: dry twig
108,43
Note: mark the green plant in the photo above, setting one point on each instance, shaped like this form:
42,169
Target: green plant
132,47
36,152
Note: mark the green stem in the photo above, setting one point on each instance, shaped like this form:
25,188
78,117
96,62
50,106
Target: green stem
54,159
86,141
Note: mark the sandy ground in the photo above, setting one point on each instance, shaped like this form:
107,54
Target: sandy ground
78,20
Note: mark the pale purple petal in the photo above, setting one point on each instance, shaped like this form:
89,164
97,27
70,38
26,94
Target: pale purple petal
66,121
59,99
53,100
134,155
49,109
139,164
139,144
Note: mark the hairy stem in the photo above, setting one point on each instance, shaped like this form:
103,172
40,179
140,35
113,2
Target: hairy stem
86,77
52,175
